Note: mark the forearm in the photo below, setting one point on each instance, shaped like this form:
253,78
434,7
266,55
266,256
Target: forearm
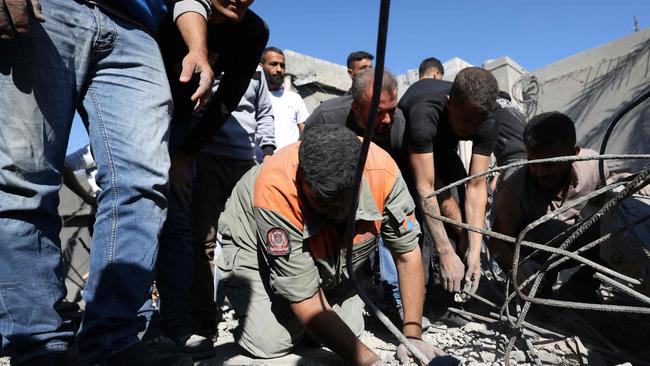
450,209
411,284
193,27
436,228
475,213
317,316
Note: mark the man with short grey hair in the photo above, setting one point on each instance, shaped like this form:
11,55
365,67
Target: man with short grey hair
352,111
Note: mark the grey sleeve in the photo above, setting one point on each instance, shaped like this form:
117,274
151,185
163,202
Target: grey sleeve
264,115
400,230
202,7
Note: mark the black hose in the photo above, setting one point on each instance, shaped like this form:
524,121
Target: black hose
349,235
610,128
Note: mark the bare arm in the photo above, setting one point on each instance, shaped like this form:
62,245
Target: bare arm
317,316
194,29
475,204
411,286
452,268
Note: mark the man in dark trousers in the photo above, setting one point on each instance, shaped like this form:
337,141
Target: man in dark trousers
235,40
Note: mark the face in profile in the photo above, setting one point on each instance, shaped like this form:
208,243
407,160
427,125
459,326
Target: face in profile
464,117
385,113
230,10
551,177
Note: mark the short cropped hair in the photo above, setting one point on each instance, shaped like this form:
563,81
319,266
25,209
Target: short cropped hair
358,56
366,79
328,158
271,49
476,86
550,129
431,63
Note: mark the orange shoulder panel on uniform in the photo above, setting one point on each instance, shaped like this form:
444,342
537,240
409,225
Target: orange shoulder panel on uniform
381,173
275,187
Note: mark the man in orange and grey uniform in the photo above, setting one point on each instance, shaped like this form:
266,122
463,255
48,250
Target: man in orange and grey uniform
283,264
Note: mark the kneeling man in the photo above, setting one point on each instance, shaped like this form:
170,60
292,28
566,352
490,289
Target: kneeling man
283,261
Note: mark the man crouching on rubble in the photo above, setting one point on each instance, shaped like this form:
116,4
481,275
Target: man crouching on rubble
283,261
538,189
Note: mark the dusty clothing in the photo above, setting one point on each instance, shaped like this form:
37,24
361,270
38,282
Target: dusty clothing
268,234
521,201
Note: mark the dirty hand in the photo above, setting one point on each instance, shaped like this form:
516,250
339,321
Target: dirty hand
14,16
197,63
180,179
473,273
451,271
427,349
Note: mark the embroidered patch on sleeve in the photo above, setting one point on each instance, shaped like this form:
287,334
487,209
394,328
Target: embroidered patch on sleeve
277,241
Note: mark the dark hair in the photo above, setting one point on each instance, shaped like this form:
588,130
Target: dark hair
328,158
358,56
504,95
271,49
476,86
431,63
366,78
550,129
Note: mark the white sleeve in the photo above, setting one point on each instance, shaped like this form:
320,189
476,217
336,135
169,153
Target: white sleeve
302,113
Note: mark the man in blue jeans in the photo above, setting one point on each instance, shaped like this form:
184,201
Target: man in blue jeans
98,58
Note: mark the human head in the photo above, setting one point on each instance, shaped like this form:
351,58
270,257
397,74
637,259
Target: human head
229,10
471,99
273,63
328,158
357,61
431,68
362,95
549,135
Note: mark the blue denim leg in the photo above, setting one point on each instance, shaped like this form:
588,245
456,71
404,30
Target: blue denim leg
40,74
127,105
174,274
388,272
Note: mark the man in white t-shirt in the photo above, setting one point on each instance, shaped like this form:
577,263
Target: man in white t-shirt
289,110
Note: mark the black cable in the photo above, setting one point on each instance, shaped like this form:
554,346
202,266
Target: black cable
610,128
349,235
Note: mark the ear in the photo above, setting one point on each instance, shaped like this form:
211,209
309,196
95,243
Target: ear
350,73
577,150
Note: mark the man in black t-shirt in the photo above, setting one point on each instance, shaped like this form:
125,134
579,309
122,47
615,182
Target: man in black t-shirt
438,115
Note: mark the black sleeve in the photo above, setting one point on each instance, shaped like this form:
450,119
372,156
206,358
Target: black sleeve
421,127
486,137
252,38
